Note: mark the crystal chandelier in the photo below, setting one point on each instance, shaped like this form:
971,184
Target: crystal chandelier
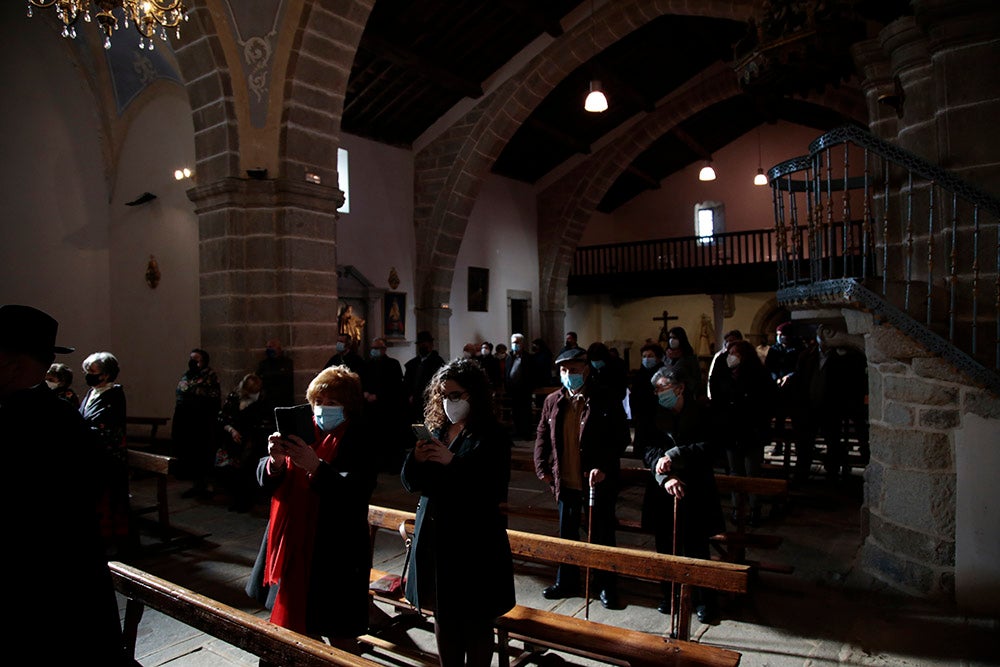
150,17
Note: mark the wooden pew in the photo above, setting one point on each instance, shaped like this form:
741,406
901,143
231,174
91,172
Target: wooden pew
730,545
615,645
154,423
160,466
233,626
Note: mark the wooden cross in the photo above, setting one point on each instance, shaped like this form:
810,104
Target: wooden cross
665,319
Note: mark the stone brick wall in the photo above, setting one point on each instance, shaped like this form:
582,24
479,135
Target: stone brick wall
916,407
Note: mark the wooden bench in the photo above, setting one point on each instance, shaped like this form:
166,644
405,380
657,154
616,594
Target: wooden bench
607,643
159,466
154,423
234,626
730,545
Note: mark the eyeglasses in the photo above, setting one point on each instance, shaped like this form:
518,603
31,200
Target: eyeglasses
455,395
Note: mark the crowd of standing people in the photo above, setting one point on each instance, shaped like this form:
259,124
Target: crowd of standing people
319,472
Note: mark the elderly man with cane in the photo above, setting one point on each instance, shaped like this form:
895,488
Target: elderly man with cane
681,504
578,447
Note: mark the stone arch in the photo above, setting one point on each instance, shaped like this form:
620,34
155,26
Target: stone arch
565,208
450,171
210,91
316,84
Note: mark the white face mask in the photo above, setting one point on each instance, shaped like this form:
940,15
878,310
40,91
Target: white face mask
456,410
732,361
52,385
253,397
674,344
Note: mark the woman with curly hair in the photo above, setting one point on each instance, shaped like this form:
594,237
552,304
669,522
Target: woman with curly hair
313,565
460,535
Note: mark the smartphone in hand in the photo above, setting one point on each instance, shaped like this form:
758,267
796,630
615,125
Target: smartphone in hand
296,420
421,432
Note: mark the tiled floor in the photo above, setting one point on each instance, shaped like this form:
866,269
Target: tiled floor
825,613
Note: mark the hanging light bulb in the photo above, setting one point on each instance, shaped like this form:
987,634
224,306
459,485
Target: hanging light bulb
707,173
596,102
760,178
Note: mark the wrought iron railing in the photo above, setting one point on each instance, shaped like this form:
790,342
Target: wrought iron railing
929,243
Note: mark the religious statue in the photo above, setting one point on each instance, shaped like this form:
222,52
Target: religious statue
348,323
706,337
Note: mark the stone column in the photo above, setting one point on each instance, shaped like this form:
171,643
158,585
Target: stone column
268,268
552,325
964,48
435,320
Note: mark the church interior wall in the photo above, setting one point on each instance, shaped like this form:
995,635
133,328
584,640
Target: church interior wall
669,211
501,237
54,237
165,229
632,320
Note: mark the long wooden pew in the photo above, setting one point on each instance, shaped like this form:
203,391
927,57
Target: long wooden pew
233,626
612,644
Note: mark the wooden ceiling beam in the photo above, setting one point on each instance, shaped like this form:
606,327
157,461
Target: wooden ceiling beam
644,176
533,13
691,143
559,136
383,47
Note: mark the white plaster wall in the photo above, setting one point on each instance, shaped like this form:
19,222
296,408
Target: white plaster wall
598,318
154,330
377,235
502,237
669,211
54,244
977,515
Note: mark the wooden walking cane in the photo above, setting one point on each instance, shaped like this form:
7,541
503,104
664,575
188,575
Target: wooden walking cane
673,584
590,530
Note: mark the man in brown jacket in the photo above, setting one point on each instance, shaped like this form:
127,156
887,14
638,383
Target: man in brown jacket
578,447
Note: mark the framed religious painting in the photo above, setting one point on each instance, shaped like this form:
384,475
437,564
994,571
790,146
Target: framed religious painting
479,289
394,315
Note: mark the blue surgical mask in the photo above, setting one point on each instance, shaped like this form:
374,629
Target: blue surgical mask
597,364
515,347
667,399
376,353
573,381
328,417
340,347
650,362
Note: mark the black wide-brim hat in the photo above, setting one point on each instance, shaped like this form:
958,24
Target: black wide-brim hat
30,331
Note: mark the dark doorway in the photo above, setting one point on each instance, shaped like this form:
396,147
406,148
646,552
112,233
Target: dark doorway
519,321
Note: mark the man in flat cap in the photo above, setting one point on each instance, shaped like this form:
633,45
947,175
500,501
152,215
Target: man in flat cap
580,439
51,498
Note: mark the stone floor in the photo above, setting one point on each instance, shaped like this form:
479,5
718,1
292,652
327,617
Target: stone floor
826,612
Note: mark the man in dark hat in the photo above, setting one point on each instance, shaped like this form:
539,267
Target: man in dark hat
53,502
417,373
578,446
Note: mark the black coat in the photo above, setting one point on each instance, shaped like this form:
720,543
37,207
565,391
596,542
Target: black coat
417,374
460,562
337,602
52,513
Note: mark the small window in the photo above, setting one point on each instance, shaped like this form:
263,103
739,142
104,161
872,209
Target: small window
344,180
709,218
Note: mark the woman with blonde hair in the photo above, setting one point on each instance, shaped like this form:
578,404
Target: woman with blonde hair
313,565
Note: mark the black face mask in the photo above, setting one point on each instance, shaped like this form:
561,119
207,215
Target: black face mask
92,379
193,366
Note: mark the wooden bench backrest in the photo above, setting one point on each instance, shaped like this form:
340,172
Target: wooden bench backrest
234,626
638,563
764,486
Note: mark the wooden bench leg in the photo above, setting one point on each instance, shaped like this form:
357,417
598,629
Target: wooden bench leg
503,648
130,628
162,507
684,620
